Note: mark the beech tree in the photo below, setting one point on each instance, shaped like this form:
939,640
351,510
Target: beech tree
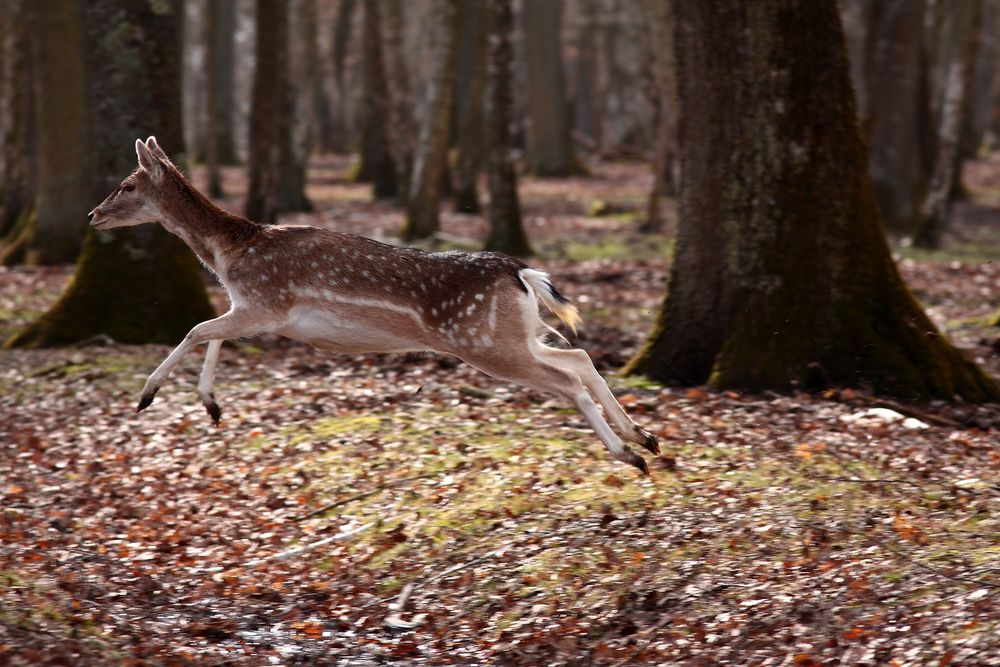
782,277
550,146
17,109
376,156
139,285
506,230
470,87
423,204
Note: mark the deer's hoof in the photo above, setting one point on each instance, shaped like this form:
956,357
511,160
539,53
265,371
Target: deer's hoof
213,411
633,459
146,399
648,440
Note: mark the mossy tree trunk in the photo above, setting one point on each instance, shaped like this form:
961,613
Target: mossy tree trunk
17,107
376,156
423,204
550,145
470,89
506,229
64,193
138,285
782,278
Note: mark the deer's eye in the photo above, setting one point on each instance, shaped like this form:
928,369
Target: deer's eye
129,188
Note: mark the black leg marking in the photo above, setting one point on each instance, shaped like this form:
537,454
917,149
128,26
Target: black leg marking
146,400
649,441
213,410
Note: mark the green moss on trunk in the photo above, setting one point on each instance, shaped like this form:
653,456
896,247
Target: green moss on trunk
782,276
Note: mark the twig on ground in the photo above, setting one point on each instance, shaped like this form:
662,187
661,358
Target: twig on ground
365,494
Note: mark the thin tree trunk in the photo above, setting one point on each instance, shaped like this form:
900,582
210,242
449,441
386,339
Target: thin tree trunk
268,113
220,66
958,81
404,129
424,201
140,285
17,106
469,106
898,113
588,118
664,169
782,277
506,229
295,126
376,156
550,147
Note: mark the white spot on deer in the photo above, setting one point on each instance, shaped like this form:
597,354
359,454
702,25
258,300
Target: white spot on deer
471,309
480,297
251,250
485,339
491,320
434,311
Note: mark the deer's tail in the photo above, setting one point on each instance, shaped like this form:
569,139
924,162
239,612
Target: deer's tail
540,283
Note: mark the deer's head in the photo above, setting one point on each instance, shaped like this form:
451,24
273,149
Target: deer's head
134,202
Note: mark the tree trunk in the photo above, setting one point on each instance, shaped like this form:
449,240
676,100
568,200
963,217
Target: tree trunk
401,99
664,168
550,147
376,160
424,201
64,194
271,102
469,106
220,65
140,285
782,278
17,106
506,230
898,113
954,106
589,103
295,127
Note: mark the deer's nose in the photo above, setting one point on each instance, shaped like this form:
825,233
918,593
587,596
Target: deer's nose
90,217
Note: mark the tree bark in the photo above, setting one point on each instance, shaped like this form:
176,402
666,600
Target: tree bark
424,201
954,107
664,167
220,53
17,107
469,106
376,156
404,129
64,194
269,122
550,146
506,230
782,278
898,112
295,127
140,285
589,103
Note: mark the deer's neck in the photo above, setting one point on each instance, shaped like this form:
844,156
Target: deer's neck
208,230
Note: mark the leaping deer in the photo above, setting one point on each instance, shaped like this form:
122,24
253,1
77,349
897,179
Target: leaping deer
354,295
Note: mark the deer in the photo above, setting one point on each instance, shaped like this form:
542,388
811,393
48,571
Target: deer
353,295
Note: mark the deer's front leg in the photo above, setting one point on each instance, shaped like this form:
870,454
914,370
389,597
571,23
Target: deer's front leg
234,324
205,392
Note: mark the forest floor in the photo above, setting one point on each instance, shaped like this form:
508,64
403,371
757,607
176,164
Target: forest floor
775,529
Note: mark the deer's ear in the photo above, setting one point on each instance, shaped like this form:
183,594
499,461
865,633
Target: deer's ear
146,159
155,149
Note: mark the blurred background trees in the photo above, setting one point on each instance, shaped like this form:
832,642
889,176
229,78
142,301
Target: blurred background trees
446,99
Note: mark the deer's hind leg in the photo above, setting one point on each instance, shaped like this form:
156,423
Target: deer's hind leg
207,379
578,361
524,368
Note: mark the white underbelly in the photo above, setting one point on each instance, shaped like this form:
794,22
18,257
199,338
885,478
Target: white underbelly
352,330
